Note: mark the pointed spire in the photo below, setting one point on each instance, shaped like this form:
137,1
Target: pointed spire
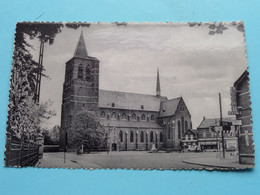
81,50
158,88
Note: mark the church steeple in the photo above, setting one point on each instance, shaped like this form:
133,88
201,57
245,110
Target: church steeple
158,88
81,50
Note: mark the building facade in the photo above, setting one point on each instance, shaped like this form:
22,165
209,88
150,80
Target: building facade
241,107
190,140
134,121
209,134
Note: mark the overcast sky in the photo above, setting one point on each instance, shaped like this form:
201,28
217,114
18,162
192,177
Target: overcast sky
192,63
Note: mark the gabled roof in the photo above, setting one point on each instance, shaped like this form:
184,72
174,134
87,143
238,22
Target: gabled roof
209,122
129,101
81,50
169,107
241,78
192,130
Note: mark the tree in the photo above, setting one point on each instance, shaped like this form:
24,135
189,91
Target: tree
55,134
51,136
25,114
87,131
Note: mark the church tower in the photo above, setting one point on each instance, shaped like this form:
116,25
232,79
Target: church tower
80,88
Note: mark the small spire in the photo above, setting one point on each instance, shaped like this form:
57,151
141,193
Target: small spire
158,88
81,50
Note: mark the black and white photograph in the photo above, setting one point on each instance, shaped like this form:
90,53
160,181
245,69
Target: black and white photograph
130,96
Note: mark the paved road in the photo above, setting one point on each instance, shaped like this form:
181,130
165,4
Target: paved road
125,160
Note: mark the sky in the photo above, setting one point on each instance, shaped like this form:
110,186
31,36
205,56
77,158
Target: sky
192,63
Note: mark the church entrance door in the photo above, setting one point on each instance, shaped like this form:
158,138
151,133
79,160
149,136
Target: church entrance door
114,147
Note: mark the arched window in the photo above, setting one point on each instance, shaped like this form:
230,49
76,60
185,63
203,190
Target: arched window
152,117
186,125
113,115
134,116
161,137
87,74
182,125
103,114
121,136
80,72
131,136
124,116
142,136
143,117
179,129
151,136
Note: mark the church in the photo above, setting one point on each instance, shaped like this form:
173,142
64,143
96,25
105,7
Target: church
134,121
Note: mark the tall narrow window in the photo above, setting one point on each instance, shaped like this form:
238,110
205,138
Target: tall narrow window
80,72
124,116
131,136
161,137
182,125
151,137
121,136
186,125
103,114
179,129
87,74
113,115
152,117
204,134
142,136
134,116
169,133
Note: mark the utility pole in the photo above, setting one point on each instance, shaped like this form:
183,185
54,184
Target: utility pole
222,133
39,73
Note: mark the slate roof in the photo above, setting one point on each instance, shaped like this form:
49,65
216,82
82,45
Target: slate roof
129,101
169,107
244,75
209,122
81,50
130,124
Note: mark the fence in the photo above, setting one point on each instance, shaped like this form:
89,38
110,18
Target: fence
20,154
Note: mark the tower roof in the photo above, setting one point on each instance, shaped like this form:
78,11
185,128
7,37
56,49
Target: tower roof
81,50
158,87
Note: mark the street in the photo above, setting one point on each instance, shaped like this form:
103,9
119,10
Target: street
133,160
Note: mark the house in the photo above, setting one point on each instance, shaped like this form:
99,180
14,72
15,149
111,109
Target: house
210,134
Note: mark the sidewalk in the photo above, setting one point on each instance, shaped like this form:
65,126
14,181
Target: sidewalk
217,163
